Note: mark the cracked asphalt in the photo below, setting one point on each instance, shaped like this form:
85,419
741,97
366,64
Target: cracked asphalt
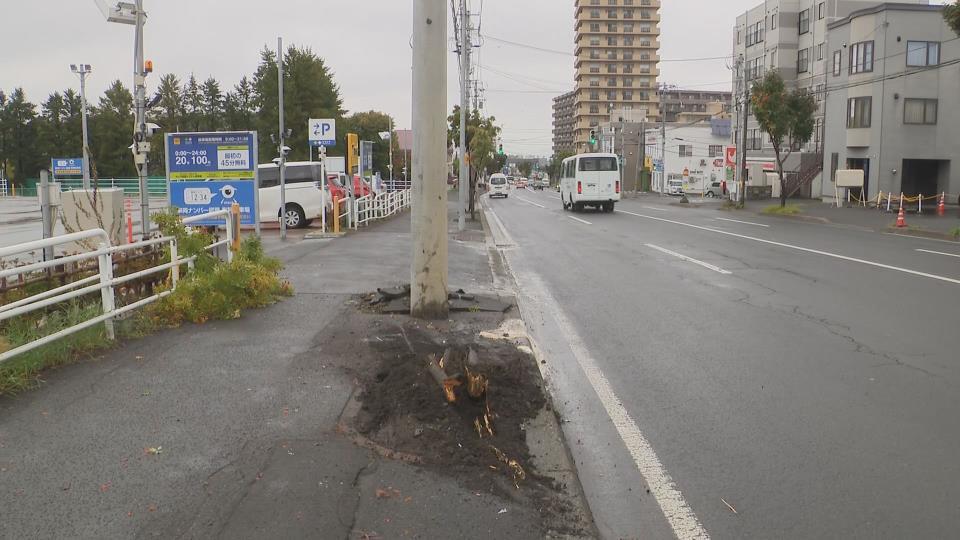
813,387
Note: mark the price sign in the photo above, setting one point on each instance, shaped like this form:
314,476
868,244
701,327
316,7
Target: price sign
210,156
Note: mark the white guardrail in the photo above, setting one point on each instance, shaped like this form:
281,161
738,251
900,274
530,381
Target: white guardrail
103,281
383,205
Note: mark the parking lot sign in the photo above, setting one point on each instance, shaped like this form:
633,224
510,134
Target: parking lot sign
66,167
322,132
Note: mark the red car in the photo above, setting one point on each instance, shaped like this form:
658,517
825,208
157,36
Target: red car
335,183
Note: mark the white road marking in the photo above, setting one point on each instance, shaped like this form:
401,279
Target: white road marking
580,220
519,198
690,259
507,239
657,209
939,253
922,238
678,513
744,222
799,248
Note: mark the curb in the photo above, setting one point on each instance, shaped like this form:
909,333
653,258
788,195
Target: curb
798,217
923,233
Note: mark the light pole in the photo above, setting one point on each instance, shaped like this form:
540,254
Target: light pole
83,70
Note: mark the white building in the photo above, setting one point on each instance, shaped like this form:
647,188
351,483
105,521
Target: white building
695,154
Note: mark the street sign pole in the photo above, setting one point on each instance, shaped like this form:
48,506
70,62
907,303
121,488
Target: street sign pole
283,157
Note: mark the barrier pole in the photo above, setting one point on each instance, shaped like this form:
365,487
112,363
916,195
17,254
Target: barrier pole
336,215
889,198
920,203
235,225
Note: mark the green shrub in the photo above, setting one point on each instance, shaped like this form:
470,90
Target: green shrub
788,210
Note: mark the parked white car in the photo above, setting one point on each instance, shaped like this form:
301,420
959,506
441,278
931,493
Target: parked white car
306,193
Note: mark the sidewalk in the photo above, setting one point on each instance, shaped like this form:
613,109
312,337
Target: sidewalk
874,219
238,429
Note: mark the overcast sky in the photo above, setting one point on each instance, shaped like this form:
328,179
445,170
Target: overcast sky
365,42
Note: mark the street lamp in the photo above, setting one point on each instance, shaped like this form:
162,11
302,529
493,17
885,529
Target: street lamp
83,70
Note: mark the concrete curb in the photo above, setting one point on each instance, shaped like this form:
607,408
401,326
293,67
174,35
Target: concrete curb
798,217
923,233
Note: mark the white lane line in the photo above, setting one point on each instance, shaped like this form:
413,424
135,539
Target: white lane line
799,248
657,209
939,253
744,222
580,220
519,198
690,259
675,509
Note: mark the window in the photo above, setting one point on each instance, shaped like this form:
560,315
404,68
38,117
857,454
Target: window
861,57
837,60
805,21
923,53
594,96
920,111
594,13
611,40
773,20
589,164
611,27
715,150
628,28
594,109
628,14
612,81
755,140
755,68
686,150
611,14
820,48
611,95
755,33
803,60
628,95
858,112
821,10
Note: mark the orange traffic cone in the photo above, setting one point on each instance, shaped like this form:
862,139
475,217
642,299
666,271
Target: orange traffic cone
901,222
942,207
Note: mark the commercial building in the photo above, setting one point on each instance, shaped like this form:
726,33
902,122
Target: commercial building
679,105
893,90
563,123
617,51
789,36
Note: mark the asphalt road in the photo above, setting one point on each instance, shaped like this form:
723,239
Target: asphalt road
703,361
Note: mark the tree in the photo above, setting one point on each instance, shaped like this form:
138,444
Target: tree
481,136
309,92
786,116
18,126
169,111
238,107
54,138
525,167
111,130
211,99
192,105
556,162
951,13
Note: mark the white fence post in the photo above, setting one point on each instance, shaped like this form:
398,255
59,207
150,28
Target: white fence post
229,221
105,261
175,271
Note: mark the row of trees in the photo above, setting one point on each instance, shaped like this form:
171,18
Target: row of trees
30,135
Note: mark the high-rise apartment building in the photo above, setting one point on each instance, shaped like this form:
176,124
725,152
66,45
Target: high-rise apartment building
617,51
563,123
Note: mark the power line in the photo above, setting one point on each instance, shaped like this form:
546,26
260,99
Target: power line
568,53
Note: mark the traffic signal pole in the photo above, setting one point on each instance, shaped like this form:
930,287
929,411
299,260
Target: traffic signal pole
428,291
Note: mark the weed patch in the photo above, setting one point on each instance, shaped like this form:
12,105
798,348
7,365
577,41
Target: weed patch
788,210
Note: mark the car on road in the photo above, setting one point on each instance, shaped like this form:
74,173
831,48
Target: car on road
713,191
674,186
539,184
304,193
590,180
522,183
499,186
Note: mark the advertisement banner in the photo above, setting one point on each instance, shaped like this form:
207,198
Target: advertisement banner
196,198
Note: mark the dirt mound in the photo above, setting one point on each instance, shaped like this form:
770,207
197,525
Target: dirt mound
404,408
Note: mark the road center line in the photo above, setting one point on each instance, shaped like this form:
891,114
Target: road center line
675,509
744,222
689,259
939,253
657,209
580,220
799,248
519,198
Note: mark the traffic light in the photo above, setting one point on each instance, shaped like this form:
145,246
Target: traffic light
500,149
353,152
593,136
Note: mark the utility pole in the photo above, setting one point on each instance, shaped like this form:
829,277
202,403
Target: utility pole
392,186
428,291
282,149
141,158
464,174
83,70
642,152
663,143
745,111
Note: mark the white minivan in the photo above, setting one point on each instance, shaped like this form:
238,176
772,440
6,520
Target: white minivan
590,180
499,186
304,193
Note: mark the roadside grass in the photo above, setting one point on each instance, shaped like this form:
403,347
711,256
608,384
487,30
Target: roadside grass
788,210
213,290
729,206
955,232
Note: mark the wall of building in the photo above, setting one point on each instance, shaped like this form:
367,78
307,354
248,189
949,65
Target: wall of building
889,140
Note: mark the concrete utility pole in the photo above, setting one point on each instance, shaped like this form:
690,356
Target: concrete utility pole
83,70
464,174
281,149
140,130
642,153
663,143
428,291
745,111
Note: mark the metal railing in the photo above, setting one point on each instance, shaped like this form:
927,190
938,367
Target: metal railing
104,281
380,206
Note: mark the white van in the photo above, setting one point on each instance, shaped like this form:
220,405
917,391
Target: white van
590,180
499,186
304,193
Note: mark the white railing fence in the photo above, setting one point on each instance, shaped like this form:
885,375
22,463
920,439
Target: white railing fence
380,206
104,281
